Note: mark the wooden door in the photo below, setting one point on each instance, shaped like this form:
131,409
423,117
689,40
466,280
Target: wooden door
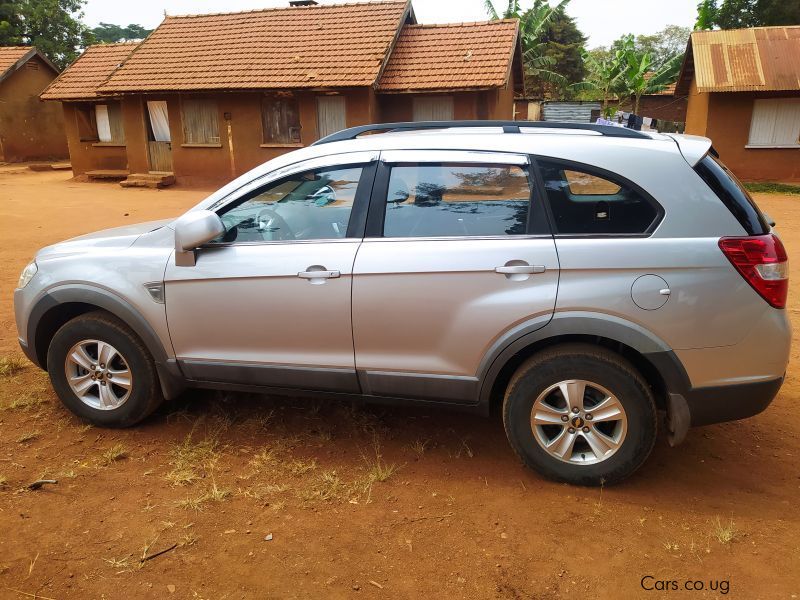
159,145
160,156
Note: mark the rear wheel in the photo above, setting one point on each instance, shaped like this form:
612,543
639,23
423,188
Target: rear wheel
102,371
580,414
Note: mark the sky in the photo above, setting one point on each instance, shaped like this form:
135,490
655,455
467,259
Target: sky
602,21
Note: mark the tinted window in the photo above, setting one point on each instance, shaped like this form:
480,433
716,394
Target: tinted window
583,202
456,200
733,195
306,206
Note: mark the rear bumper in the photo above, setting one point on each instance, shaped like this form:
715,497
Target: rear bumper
709,405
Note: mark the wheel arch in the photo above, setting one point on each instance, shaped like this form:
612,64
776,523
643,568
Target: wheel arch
59,305
657,363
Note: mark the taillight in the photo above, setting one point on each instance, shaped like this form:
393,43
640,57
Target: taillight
762,261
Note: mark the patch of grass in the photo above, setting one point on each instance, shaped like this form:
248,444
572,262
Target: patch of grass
11,365
419,447
118,563
328,486
26,400
767,187
300,467
725,534
28,436
192,459
264,492
114,454
377,469
214,494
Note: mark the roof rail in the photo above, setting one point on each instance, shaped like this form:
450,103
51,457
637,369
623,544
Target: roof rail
508,127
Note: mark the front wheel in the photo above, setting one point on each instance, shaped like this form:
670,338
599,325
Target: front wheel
580,414
102,371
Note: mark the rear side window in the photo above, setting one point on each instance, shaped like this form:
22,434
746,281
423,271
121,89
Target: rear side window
585,202
444,200
733,195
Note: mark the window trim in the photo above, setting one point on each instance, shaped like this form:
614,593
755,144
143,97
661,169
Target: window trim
355,224
538,223
605,174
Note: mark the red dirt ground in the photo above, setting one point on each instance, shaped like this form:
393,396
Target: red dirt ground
459,517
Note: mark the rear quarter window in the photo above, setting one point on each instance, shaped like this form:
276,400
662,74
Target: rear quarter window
587,201
733,195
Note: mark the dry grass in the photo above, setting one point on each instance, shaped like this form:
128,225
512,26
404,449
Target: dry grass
377,469
25,400
725,534
192,460
11,365
213,494
300,467
3,481
419,447
116,453
28,436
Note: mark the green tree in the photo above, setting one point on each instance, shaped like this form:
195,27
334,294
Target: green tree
734,14
10,23
662,45
53,26
532,25
605,75
564,47
639,77
108,33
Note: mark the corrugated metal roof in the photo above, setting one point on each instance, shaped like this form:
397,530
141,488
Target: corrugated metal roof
569,112
739,60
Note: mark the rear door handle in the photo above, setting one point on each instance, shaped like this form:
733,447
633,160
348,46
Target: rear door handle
520,269
319,274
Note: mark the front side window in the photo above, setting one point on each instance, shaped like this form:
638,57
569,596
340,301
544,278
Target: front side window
200,122
435,200
313,205
586,203
280,120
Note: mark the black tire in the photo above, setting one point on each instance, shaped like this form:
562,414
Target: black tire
145,392
594,364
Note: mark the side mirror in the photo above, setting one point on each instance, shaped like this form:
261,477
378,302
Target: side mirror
193,230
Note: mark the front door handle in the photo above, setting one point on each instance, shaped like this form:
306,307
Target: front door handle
520,269
313,273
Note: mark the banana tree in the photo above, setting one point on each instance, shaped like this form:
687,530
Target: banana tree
532,25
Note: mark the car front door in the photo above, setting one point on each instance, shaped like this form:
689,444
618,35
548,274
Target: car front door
458,256
268,303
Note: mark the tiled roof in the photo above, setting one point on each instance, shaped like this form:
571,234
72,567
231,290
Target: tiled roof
738,60
300,47
9,55
12,57
81,79
453,56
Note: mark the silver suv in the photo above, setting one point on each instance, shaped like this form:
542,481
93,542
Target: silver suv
583,279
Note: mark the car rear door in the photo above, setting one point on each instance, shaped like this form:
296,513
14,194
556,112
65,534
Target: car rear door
457,257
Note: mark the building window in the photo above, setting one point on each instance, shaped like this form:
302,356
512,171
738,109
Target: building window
87,122
433,108
331,115
775,123
108,120
200,122
280,120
